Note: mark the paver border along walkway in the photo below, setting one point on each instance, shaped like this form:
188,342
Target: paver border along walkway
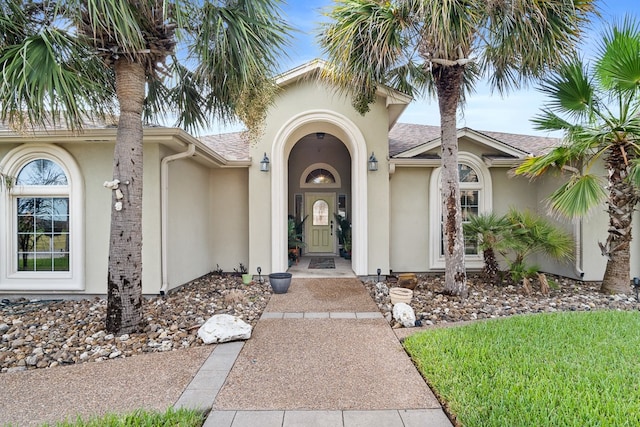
208,382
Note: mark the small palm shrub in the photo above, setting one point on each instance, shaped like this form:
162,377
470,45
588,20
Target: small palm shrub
490,229
516,236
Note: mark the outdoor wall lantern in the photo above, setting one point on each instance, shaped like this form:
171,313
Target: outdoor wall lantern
264,164
373,162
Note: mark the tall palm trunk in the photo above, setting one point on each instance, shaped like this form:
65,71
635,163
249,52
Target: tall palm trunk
622,200
448,83
124,305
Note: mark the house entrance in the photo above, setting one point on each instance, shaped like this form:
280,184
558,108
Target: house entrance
320,226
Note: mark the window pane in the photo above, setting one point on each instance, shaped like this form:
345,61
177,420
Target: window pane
467,173
41,172
43,234
25,261
320,213
61,262
468,204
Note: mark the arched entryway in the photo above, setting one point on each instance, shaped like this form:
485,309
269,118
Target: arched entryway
308,124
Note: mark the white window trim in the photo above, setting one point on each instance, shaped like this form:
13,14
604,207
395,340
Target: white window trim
307,171
436,260
10,278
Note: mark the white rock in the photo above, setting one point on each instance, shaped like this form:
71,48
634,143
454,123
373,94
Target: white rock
224,328
404,314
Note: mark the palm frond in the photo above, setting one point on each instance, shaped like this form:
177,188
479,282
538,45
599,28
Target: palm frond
570,90
618,65
578,195
363,41
237,47
51,74
513,28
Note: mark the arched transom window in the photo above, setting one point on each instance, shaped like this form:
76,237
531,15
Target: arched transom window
320,175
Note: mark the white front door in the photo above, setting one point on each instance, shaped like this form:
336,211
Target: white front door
320,226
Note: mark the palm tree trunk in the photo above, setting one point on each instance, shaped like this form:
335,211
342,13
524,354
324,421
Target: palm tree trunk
448,82
622,200
124,304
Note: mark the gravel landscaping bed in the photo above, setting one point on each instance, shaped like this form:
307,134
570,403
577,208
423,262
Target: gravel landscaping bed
41,334
487,301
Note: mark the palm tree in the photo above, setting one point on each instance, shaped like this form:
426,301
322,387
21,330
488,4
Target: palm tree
70,60
529,233
598,108
443,47
490,229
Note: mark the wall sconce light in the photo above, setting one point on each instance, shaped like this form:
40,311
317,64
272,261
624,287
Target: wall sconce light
320,135
264,163
373,162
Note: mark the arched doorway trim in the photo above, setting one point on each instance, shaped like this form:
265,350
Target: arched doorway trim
291,132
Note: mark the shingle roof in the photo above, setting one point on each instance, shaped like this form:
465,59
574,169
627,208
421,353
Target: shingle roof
402,137
405,136
232,146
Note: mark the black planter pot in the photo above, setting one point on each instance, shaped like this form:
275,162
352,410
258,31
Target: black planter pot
280,282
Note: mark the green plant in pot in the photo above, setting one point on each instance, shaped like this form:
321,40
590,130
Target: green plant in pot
344,230
347,245
294,238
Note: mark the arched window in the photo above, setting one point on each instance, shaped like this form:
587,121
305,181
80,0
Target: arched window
42,221
320,175
320,213
42,200
475,198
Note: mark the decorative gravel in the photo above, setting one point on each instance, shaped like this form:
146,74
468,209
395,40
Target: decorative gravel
41,334
488,301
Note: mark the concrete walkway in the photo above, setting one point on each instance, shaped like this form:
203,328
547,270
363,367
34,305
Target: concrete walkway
321,355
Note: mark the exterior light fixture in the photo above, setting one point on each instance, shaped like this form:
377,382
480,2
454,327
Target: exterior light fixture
373,163
260,279
264,163
378,271
320,135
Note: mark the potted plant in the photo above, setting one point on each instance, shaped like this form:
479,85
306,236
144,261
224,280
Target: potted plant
347,245
344,229
242,271
294,239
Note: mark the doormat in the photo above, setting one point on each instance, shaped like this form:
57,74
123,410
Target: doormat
322,262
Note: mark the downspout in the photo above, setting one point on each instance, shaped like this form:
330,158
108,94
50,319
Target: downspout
579,258
164,202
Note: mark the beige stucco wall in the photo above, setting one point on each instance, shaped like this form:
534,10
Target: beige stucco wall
229,219
188,222
409,223
95,162
312,98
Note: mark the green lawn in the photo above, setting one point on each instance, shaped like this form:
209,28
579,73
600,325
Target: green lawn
170,418
561,369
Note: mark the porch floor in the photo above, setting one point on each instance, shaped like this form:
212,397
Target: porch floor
302,270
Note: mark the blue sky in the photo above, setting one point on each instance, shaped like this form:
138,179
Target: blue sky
483,111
